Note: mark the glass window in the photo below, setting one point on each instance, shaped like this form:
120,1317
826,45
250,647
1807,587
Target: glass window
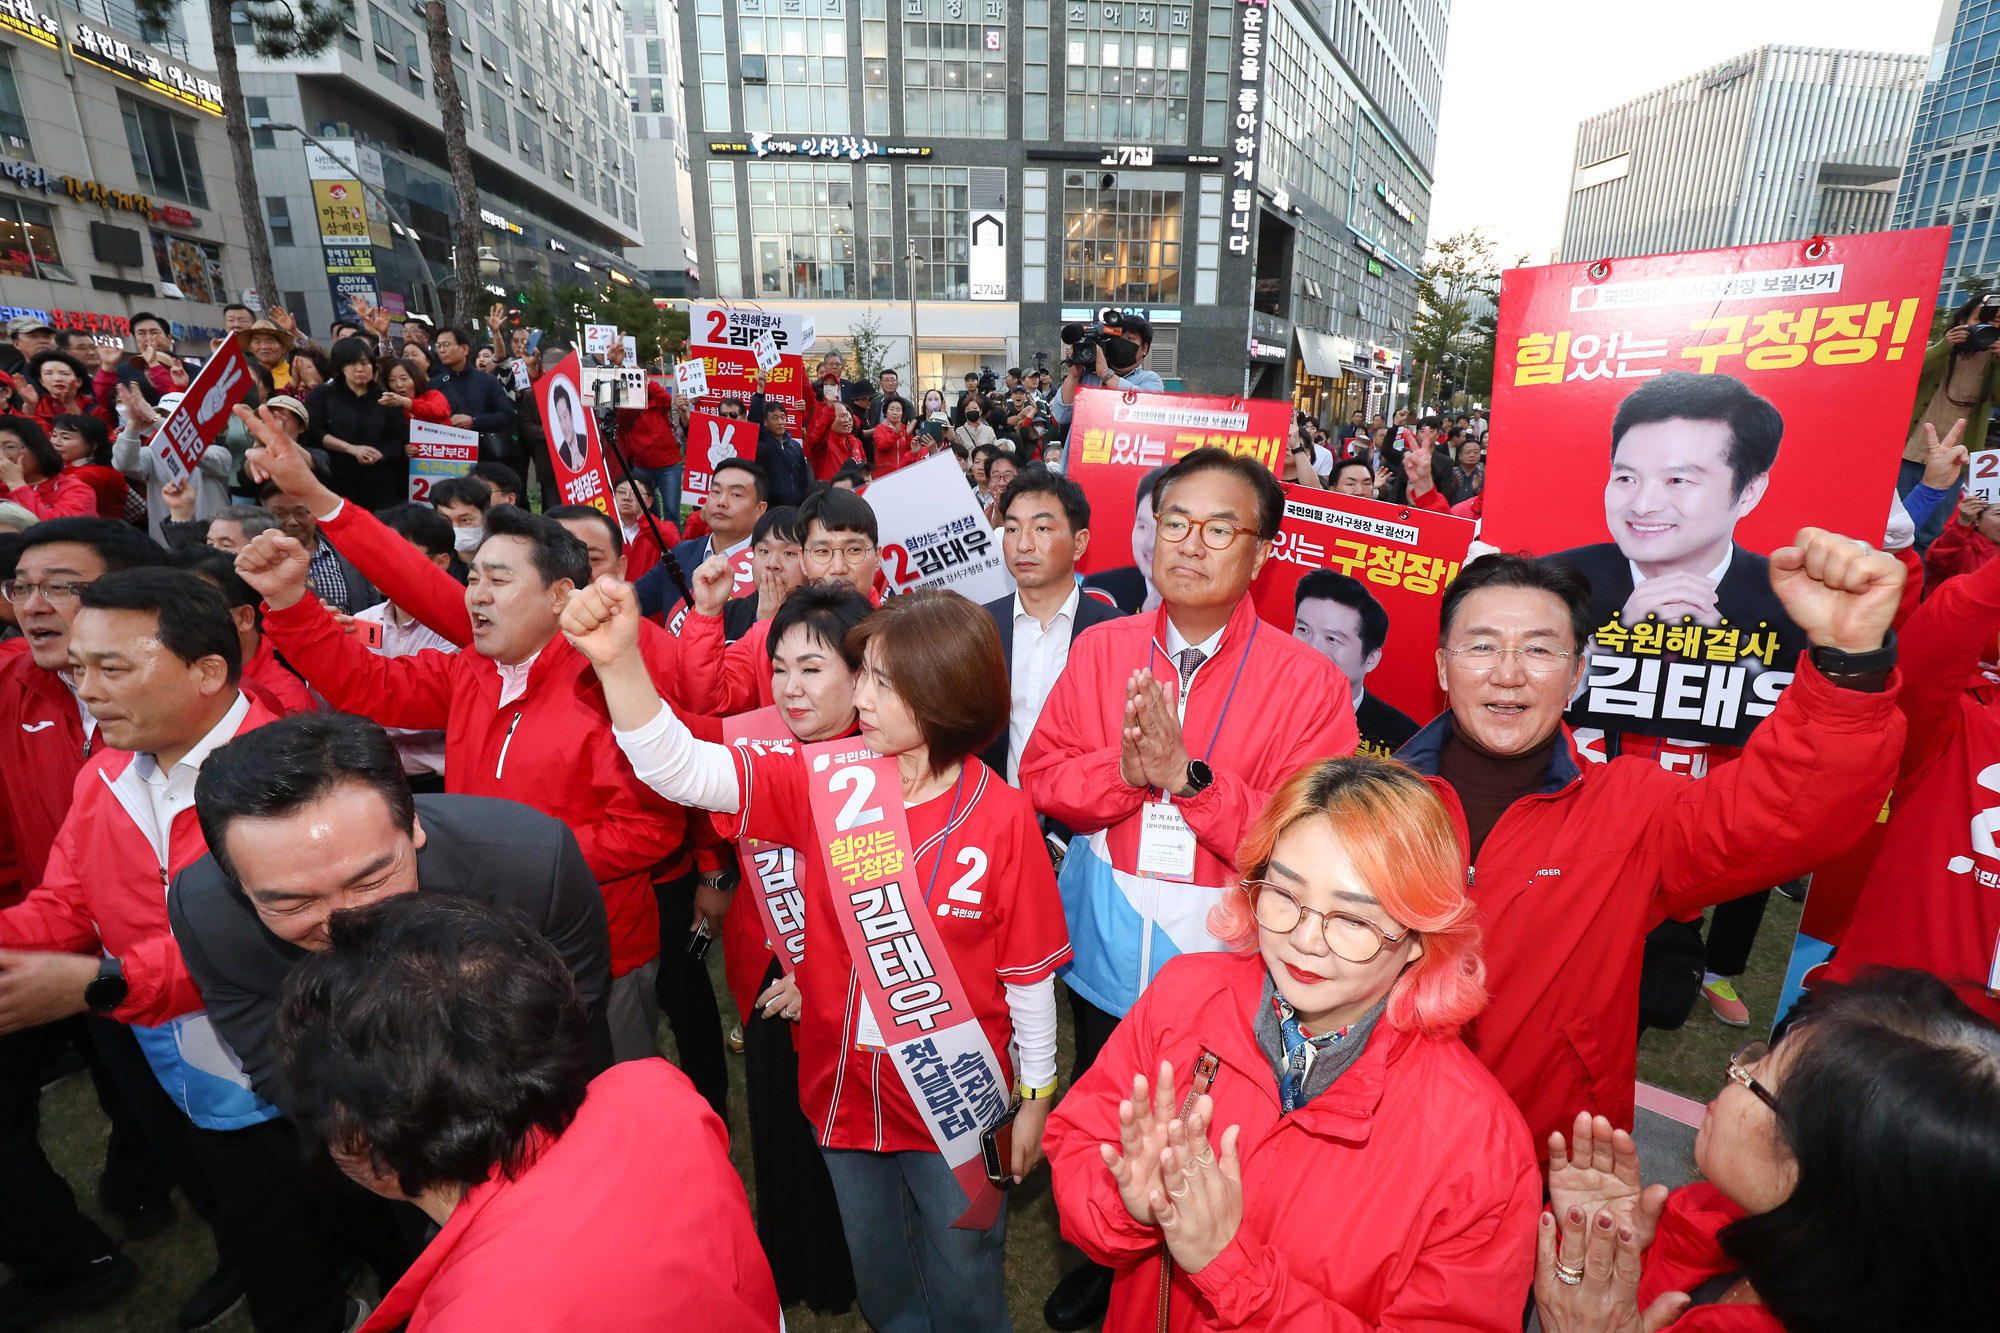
805,53
955,68
937,212
528,138
1128,72
164,157
13,120
881,234
722,217
28,241
193,266
802,216
1121,245
278,217
492,115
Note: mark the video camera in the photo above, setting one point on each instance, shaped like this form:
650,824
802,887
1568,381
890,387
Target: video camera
1084,340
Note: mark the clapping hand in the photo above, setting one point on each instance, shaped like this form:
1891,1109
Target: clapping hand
1599,1170
1152,735
1201,1206
1143,1125
1601,1292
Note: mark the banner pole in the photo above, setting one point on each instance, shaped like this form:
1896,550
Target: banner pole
674,570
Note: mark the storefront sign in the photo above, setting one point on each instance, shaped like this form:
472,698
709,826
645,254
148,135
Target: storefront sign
21,16
142,66
27,175
1249,122
1127,155
492,219
175,217
1396,205
826,145
1263,351
1156,315
987,271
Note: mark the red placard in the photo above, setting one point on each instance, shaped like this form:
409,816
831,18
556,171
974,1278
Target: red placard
1116,438
1400,557
1809,348
710,440
203,413
732,373
581,474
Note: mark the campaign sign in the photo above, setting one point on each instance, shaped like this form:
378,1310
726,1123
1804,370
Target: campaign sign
691,378
578,457
441,451
710,440
1118,438
933,535
723,339
597,338
766,349
1663,423
203,412
1983,477
1342,565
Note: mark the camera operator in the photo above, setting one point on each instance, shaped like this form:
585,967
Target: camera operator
1961,378
1134,375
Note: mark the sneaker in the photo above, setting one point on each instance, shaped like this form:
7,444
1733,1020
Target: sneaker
1722,998
24,1304
735,1039
212,1300
1795,889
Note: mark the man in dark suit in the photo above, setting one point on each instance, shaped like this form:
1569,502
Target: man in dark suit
737,497
1047,527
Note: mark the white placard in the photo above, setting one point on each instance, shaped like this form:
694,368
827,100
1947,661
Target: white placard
1983,477
631,349
987,271
692,379
808,333
597,338
767,351
933,535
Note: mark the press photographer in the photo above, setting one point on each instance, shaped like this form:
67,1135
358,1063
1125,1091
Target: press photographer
1961,378
1105,352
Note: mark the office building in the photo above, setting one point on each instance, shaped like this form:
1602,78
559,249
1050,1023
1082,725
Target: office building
1254,178
1952,178
548,124
668,259
115,191
1777,144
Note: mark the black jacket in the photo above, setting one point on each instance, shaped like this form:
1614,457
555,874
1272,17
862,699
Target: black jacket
334,409
477,847
783,457
1089,611
479,396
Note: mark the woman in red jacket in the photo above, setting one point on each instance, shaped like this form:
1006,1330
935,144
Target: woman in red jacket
86,455
58,385
564,1204
1366,1171
895,440
32,473
407,386
1968,541
1850,1180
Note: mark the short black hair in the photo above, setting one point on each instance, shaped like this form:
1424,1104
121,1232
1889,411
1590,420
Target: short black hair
591,513
237,305
1330,585
781,522
858,473
1498,569
421,524
1342,464
1436,423
29,431
640,482
1147,485
1270,495
456,332
194,620
558,555
986,450
1034,479
285,765
836,510
343,323
754,468
825,611
147,316
500,477
461,491
440,1037
1756,428
347,351
219,568
118,544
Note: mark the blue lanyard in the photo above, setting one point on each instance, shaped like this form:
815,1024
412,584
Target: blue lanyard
1236,680
945,838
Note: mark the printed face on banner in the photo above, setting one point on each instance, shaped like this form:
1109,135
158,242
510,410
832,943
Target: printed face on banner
581,474
1665,425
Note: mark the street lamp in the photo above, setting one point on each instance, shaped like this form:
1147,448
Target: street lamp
388,206
915,262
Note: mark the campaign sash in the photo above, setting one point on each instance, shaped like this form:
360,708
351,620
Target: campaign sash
781,902
908,985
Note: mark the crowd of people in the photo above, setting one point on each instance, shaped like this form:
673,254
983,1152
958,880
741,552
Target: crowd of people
358,848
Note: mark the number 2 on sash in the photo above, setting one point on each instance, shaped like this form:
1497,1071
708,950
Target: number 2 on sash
852,815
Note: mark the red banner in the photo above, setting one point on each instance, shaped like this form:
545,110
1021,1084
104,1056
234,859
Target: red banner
582,476
770,869
203,412
1385,560
710,440
1801,360
1116,438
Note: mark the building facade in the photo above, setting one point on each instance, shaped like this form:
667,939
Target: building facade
1780,143
115,189
987,171
1952,178
668,259
371,212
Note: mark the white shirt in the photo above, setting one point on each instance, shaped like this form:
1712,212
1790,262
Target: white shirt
82,708
1039,657
514,679
1322,460
171,792
1714,575
728,553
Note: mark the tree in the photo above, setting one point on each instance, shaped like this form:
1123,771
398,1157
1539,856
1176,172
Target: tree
464,302
1459,281
871,349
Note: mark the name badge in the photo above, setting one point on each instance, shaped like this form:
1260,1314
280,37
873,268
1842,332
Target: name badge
868,1033
1166,843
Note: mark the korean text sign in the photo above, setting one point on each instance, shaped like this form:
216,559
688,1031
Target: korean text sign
933,535
710,440
1740,385
1117,437
1399,558
203,413
578,457
441,451
724,339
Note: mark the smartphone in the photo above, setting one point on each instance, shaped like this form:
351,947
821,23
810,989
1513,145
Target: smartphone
371,634
534,339
996,1146
698,941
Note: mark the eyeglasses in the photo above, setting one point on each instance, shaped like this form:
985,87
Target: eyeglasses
852,554
57,592
1216,534
1352,938
1738,1073
1482,657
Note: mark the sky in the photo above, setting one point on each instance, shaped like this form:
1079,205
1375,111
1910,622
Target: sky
1520,74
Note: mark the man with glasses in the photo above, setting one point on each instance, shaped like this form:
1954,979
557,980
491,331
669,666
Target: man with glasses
1164,736
1573,862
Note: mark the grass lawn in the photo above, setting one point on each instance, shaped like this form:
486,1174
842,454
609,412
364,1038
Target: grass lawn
1689,1062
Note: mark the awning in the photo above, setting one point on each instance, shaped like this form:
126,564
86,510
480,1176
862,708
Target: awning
1318,354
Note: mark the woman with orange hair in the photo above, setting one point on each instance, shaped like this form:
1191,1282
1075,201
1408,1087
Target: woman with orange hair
1366,1171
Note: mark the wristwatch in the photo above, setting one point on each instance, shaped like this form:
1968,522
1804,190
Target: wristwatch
108,989
1198,778
1833,662
1042,1093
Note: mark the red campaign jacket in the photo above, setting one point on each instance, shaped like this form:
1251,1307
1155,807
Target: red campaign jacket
1932,898
1685,1253
1405,1196
633,1219
825,448
895,448
646,434
64,495
105,891
1571,878
1432,500
42,748
1957,550
274,683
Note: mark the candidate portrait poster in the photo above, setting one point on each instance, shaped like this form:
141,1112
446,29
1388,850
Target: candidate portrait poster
1664,423
1361,582
582,476
1120,438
